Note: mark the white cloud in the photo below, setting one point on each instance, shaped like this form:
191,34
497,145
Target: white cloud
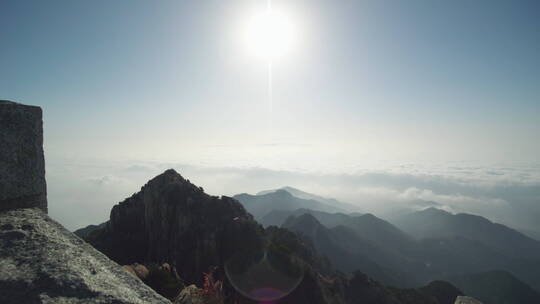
82,192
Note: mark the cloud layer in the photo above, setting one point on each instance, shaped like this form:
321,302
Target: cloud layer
83,192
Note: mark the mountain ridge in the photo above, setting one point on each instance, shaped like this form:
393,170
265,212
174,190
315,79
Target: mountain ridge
310,196
171,220
261,205
436,223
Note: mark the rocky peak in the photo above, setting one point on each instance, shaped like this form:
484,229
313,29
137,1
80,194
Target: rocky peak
172,220
170,176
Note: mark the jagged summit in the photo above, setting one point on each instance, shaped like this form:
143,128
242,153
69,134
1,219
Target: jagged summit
169,176
164,188
172,220
170,173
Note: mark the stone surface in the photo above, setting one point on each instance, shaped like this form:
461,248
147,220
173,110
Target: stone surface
42,262
138,270
466,300
190,295
22,164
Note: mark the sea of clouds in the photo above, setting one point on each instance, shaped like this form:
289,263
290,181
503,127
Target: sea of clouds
82,191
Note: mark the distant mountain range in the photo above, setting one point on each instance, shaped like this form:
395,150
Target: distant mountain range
422,246
261,205
350,208
348,251
173,220
367,226
278,217
436,223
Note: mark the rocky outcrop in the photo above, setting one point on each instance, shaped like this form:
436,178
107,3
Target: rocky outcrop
42,262
137,270
171,220
22,164
190,295
163,279
466,300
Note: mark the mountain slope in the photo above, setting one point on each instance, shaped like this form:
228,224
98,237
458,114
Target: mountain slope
443,291
278,217
367,226
348,252
85,231
378,231
496,287
435,223
366,238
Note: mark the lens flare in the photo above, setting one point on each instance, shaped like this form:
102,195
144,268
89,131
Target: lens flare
265,276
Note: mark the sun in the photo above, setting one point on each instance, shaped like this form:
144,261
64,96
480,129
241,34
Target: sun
269,35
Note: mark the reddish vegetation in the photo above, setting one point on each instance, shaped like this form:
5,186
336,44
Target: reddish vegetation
212,290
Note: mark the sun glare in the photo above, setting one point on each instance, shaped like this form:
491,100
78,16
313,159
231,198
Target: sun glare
269,35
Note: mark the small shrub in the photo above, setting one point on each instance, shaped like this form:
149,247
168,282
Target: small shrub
163,282
212,290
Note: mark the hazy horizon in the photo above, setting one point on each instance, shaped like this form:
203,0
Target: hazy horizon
376,103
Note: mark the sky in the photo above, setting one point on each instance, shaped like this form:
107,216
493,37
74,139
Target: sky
413,88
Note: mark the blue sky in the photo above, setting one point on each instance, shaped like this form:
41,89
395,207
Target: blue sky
456,79
370,86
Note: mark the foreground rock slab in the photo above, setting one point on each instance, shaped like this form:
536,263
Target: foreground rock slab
42,262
